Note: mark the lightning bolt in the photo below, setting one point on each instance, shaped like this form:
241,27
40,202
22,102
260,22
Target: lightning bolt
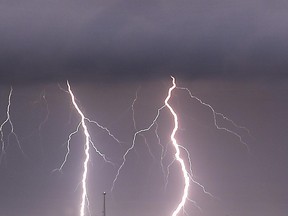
186,167
12,132
177,149
87,145
187,174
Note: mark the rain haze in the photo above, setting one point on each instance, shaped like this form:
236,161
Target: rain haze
118,57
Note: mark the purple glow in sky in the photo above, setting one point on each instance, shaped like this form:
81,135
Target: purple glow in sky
230,54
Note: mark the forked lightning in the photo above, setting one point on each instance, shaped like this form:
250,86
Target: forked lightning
185,165
187,174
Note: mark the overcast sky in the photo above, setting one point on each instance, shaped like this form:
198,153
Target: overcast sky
231,54
112,40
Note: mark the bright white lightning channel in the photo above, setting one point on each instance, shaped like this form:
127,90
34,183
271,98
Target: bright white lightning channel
88,141
87,146
177,154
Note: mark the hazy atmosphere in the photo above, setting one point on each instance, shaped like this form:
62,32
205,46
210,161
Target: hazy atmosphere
118,57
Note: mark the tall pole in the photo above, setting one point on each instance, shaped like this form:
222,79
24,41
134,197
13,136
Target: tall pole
104,205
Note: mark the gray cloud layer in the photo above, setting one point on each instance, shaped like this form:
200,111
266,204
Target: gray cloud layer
123,40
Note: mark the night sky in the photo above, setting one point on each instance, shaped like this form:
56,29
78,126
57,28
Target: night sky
231,54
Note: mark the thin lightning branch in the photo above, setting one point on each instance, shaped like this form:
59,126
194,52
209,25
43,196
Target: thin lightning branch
191,176
133,145
133,110
134,123
101,154
162,150
92,143
215,114
139,132
8,120
168,173
233,123
195,204
148,147
68,149
105,129
62,89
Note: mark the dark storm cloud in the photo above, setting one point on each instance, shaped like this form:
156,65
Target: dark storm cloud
123,40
